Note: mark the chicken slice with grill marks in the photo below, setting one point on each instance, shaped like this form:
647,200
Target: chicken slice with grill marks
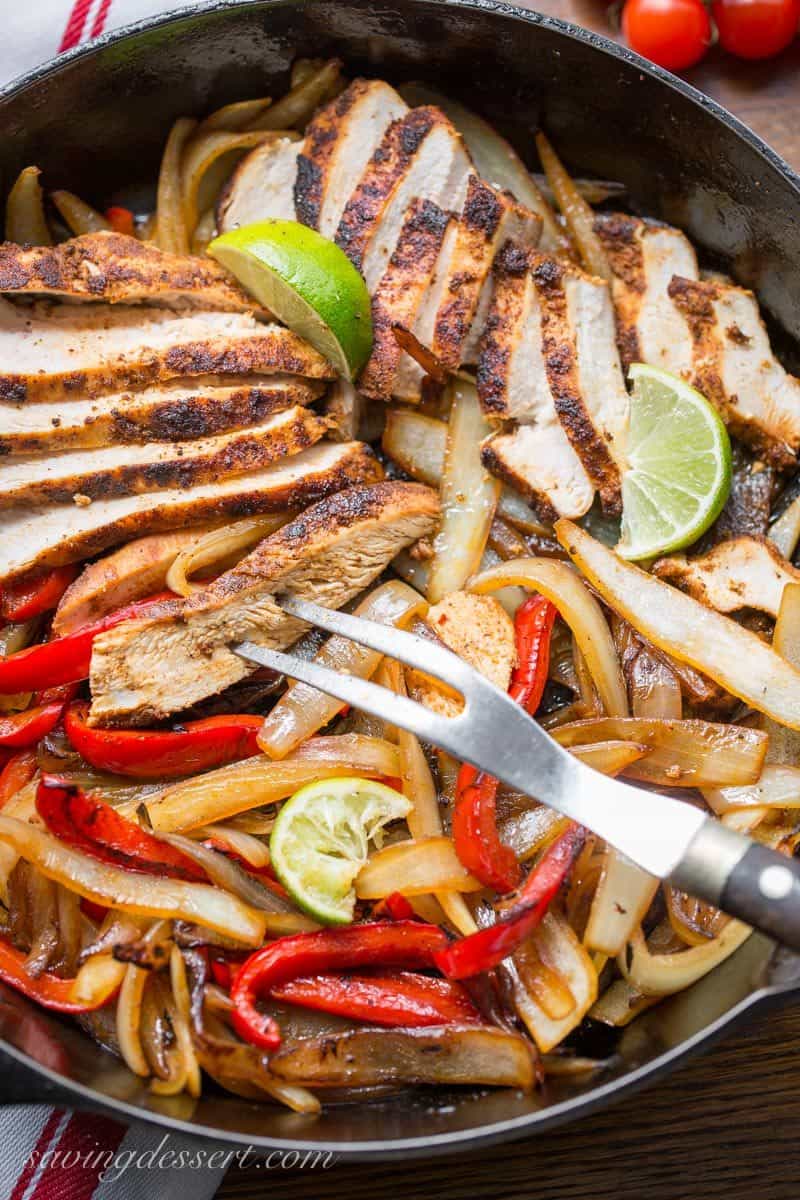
120,270
172,412
126,470
397,299
535,455
146,670
52,352
643,256
53,534
745,572
339,143
421,156
734,367
261,187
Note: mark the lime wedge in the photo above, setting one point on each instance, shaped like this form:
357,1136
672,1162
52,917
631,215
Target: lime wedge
679,457
320,841
307,282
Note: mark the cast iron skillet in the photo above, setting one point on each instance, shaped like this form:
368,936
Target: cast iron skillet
96,123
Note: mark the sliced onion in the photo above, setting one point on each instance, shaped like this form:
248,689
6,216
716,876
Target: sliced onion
78,215
204,231
663,974
610,757
778,787
620,1003
171,230
206,163
682,753
296,107
578,607
495,159
255,782
784,532
414,868
469,496
182,1020
236,116
97,980
237,841
146,894
129,1019
578,215
655,690
26,223
219,546
784,744
556,946
303,710
685,629
623,896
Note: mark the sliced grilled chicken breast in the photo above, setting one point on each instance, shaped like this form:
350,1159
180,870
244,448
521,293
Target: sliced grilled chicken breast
734,367
550,339
644,256
156,466
120,270
261,187
339,143
421,156
62,351
400,292
489,219
410,375
535,457
171,412
745,572
145,670
50,535
130,573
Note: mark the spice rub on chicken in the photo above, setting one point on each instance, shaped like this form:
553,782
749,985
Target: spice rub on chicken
145,670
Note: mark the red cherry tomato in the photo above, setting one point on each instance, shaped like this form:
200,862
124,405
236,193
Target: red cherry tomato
756,28
674,34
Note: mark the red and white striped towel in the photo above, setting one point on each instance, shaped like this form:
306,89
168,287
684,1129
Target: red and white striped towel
49,1154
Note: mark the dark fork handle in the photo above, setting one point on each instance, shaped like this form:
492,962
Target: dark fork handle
746,880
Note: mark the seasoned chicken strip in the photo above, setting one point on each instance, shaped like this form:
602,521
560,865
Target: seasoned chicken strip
339,143
535,457
745,572
120,270
490,218
644,255
146,670
421,156
734,367
261,187
400,293
547,312
136,570
62,351
156,466
50,535
172,412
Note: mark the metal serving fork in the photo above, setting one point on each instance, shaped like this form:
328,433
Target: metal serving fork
664,836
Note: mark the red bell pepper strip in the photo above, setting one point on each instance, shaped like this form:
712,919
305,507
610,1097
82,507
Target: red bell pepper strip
397,998
23,601
485,949
66,659
48,990
29,727
120,219
394,943
396,906
151,753
100,831
533,627
19,770
477,841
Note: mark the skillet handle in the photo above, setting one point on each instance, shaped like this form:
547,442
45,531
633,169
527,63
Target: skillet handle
745,879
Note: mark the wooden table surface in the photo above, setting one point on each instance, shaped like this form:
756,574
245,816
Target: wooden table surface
724,1126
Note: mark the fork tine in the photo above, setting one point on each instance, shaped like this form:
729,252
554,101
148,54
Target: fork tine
415,651
362,694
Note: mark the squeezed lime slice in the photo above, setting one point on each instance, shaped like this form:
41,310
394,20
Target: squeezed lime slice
307,282
320,841
679,472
